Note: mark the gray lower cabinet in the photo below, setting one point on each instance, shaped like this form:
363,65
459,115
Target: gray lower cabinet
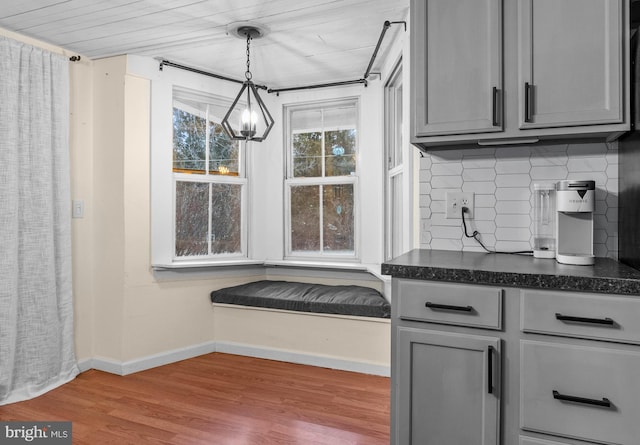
448,388
485,365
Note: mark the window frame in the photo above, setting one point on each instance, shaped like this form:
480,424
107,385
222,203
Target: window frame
398,165
266,169
292,181
240,180
163,183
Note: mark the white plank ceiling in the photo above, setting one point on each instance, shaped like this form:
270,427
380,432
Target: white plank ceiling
309,41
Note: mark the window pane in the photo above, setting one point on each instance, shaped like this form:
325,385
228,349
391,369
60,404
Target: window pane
337,202
340,152
226,218
223,152
305,217
341,116
189,139
306,120
307,154
398,125
192,215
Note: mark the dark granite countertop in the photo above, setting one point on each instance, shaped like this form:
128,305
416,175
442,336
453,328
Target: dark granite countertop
606,275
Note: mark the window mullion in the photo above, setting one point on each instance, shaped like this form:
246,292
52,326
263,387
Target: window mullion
209,219
321,218
207,141
322,142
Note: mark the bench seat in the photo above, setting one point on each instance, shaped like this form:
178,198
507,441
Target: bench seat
306,297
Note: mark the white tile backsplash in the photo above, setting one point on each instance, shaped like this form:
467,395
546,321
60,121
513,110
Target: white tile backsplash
502,179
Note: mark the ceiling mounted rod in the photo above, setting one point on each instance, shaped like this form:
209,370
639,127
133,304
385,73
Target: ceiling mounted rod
385,27
320,85
164,63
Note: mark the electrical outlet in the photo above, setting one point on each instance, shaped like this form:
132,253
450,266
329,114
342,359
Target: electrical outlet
455,201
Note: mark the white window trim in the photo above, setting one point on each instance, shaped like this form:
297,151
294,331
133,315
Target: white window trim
406,168
163,179
289,181
265,215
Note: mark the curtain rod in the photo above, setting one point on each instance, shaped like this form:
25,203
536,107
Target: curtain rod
385,27
164,63
319,85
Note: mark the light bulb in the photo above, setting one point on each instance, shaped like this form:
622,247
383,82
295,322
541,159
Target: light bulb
249,120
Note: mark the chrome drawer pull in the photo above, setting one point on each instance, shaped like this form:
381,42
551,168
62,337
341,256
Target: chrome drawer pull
604,402
447,307
606,321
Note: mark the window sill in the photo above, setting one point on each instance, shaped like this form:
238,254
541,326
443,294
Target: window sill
373,269
186,269
207,264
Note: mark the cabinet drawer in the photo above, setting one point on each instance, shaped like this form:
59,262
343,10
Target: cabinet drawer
459,304
602,317
580,392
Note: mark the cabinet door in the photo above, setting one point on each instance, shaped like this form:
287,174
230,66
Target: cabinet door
448,388
456,79
570,57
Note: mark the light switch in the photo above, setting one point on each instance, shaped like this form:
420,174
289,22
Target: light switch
77,209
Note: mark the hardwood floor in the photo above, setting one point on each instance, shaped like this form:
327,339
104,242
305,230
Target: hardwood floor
219,399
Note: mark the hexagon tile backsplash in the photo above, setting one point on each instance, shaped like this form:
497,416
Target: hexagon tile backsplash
502,180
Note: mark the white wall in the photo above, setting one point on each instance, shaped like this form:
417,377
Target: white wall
126,311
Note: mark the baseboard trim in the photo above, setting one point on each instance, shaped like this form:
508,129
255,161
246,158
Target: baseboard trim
176,355
302,359
151,361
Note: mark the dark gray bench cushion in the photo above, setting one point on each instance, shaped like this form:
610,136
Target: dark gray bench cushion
305,297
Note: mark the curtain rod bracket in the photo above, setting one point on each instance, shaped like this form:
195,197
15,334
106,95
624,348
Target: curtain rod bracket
74,58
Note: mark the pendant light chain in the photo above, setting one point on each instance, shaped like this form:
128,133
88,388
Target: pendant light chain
248,74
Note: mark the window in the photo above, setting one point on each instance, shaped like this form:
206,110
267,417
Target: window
397,200
321,183
209,180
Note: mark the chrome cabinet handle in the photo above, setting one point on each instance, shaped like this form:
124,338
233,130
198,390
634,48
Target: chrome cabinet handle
527,102
447,307
605,321
568,398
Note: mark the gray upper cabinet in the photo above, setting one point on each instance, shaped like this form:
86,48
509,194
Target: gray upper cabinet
456,54
571,62
503,72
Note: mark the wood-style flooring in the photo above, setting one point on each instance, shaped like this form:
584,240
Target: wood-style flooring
218,399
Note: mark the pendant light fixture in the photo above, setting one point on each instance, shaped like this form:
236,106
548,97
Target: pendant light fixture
255,121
